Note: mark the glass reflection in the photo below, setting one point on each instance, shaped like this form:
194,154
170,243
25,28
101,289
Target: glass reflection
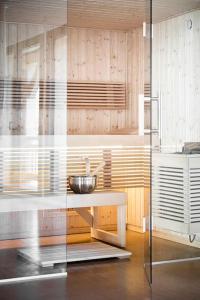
33,59
175,157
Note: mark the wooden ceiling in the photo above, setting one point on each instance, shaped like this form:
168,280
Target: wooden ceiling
52,12
123,14
110,14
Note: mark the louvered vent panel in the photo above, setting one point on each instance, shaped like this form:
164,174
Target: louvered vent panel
195,195
169,193
176,192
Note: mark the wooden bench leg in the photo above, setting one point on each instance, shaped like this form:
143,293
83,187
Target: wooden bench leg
121,225
118,239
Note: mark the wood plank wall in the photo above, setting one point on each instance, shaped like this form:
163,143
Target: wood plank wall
125,165
106,55
176,73
176,77
99,55
33,52
135,209
94,55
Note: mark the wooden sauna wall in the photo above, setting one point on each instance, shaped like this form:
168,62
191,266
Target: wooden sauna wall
106,55
135,208
176,73
32,52
111,56
124,171
93,55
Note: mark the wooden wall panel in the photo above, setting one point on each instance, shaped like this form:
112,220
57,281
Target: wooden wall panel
93,55
135,209
176,73
135,75
100,55
105,55
126,168
33,52
96,55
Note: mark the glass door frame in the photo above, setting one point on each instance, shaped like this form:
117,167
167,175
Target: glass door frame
147,33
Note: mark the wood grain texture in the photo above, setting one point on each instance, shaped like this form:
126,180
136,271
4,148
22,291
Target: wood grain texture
38,12
105,55
123,15
31,53
95,55
176,72
38,53
135,208
53,94
124,168
107,14
96,95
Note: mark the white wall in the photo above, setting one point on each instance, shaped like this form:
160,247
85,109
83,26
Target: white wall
176,76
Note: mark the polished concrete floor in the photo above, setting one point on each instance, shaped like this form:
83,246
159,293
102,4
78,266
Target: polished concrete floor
176,281
119,279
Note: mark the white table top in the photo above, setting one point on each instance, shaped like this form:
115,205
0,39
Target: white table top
60,201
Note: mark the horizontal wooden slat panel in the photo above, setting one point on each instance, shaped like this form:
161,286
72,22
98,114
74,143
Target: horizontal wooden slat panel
46,171
109,95
124,166
147,90
96,95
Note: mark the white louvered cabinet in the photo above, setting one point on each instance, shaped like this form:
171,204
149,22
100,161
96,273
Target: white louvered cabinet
176,192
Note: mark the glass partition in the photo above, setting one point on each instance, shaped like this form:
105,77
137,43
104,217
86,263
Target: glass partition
148,131
175,157
109,121
33,88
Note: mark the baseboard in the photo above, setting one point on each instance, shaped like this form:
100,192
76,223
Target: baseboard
135,228
77,230
175,237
